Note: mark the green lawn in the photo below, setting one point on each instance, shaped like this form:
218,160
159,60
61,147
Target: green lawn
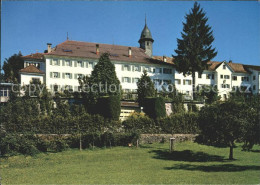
150,164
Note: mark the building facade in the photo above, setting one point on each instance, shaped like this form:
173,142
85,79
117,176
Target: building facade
61,66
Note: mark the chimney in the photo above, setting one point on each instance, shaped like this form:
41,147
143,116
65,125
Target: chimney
97,49
164,58
129,52
49,47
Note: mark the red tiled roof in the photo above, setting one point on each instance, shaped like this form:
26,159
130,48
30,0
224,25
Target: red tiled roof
169,60
257,68
31,69
37,56
88,50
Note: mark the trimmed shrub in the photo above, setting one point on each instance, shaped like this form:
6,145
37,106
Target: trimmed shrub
180,123
155,107
109,107
140,123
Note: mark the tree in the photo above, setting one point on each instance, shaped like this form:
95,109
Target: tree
104,75
251,128
102,82
221,124
194,49
11,67
209,93
145,88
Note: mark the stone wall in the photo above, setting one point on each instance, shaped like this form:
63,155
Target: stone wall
157,138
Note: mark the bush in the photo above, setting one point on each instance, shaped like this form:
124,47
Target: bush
184,123
155,107
139,123
12,144
109,107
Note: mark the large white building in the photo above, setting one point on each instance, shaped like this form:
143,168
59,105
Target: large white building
62,65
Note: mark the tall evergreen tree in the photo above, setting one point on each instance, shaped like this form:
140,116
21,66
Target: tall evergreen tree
194,49
104,75
11,67
145,88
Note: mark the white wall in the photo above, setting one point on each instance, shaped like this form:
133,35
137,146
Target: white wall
126,71
27,78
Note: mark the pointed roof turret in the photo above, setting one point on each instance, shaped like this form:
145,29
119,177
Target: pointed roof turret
146,33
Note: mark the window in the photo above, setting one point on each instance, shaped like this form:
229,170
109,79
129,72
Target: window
226,76
67,63
224,66
199,76
245,78
221,76
212,76
208,76
126,79
225,86
137,68
167,71
55,62
56,75
177,81
77,76
254,87
135,80
80,64
4,91
36,80
186,82
91,64
153,70
157,81
68,75
126,68
234,78
253,77
159,70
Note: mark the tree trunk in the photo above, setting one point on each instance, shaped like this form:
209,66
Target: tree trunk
193,86
231,145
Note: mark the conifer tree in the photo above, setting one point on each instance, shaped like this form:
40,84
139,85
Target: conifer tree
145,88
194,49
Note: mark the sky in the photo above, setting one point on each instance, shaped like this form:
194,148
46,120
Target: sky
28,26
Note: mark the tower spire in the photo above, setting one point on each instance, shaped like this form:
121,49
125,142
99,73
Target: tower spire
145,19
67,35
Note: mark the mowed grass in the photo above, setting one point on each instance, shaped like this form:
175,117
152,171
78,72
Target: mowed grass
190,163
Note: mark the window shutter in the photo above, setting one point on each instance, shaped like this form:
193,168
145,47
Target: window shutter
122,79
83,64
50,74
70,75
122,67
129,68
133,68
58,75
63,62
183,82
50,61
86,64
75,63
63,75
76,76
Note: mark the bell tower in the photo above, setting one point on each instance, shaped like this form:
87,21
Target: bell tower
146,40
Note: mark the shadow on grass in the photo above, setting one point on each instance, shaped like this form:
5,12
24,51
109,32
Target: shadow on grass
258,151
213,168
186,155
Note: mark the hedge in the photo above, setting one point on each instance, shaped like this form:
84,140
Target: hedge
109,107
155,107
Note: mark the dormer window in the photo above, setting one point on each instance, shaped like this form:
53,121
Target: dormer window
224,66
